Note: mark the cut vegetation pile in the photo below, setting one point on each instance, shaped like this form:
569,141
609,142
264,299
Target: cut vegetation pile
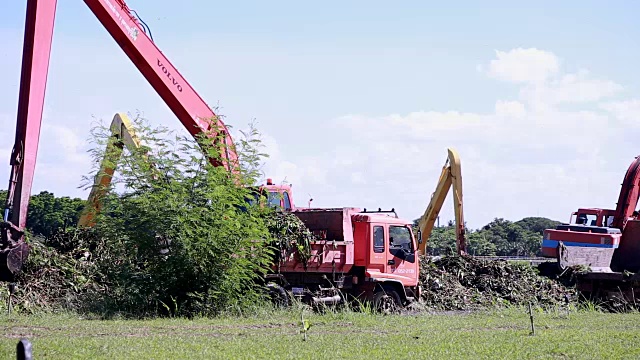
290,235
466,283
76,269
59,273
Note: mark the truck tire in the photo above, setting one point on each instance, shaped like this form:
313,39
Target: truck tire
278,295
387,301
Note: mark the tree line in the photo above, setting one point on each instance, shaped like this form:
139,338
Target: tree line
49,214
500,237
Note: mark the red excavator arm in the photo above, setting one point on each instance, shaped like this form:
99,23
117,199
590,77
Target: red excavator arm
629,193
129,33
182,99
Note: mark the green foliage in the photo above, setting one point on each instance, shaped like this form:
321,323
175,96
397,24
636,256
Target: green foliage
479,244
512,239
537,224
48,214
182,232
290,235
181,237
59,272
466,282
442,241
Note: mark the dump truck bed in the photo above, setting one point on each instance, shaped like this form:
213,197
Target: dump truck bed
334,250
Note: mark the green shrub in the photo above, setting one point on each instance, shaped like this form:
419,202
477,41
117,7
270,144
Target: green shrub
175,235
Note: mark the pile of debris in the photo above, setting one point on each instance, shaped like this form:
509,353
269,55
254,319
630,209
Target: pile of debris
54,278
290,235
467,283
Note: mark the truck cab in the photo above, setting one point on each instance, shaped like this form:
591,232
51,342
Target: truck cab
386,248
366,255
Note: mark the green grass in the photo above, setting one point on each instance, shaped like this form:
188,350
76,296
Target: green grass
497,335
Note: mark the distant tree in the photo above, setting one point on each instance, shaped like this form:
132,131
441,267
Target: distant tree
512,239
479,245
48,214
537,224
442,240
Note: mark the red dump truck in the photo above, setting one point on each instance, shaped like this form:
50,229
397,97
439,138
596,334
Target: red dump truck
369,256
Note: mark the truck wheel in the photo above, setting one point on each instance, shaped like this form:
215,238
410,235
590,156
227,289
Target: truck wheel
387,301
278,295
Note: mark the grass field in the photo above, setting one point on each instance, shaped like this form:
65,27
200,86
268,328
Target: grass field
277,335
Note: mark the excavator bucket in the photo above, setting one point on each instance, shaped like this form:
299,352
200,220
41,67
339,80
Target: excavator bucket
11,261
597,259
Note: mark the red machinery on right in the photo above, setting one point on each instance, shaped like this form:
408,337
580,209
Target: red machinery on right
606,241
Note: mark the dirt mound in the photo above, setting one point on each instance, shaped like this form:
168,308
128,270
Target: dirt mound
465,283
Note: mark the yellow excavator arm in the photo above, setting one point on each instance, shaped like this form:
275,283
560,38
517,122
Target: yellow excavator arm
451,175
122,134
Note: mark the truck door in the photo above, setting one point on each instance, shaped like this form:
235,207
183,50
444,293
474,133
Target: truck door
378,257
401,256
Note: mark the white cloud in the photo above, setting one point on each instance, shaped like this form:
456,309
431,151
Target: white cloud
529,157
68,144
62,160
569,88
524,65
543,83
580,87
513,109
358,178
628,111
62,157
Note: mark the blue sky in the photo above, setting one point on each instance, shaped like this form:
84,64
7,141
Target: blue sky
358,101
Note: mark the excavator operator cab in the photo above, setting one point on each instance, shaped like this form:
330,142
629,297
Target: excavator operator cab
276,196
279,199
592,217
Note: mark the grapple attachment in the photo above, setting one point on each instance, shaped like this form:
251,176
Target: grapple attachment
14,252
12,260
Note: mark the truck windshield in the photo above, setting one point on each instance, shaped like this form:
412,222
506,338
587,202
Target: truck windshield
400,238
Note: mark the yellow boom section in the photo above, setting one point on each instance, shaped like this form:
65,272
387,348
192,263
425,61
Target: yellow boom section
122,134
451,175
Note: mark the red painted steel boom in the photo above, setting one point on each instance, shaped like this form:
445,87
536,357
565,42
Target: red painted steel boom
629,194
128,32
182,99
35,66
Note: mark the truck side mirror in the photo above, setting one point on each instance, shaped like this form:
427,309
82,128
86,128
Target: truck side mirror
419,236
